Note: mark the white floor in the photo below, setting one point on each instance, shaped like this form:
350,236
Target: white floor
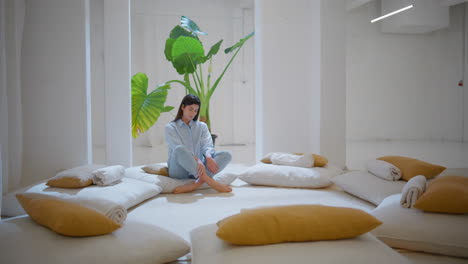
241,154
450,154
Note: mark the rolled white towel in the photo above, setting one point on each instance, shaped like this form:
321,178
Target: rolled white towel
108,175
412,190
114,211
384,170
287,159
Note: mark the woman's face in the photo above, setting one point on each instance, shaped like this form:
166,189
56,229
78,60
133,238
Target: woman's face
190,111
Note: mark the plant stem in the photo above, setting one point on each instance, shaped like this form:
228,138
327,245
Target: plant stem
196,84
185,84
202,85
208,121
187,80
209,76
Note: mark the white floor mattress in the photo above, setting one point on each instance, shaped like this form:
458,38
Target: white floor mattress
207,248
182,213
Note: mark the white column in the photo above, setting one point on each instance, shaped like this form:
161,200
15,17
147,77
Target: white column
1,179
333,78
286,43
117,61
316,79
87,38
259,149
465,78
53,93
14,36
3,101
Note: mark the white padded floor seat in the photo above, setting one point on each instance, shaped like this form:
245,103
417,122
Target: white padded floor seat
207,248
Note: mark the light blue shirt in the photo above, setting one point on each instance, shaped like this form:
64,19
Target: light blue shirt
195,136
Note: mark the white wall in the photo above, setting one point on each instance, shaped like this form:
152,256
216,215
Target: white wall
403,86
53,88
333,81
232,105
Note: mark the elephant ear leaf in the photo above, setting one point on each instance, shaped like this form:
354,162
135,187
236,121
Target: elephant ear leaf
213,50
176,32
167,109
146,108
186,54
191,26
239,43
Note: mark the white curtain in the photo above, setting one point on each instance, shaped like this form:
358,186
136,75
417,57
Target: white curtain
11,26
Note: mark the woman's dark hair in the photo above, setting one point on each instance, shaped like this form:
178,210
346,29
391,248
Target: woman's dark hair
189,99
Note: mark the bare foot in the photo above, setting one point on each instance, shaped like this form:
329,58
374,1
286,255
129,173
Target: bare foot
215,185
188,187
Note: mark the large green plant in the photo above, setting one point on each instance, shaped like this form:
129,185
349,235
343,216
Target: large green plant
186,53
146,108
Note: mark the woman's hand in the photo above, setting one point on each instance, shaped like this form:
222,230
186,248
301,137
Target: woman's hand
200,168
211,165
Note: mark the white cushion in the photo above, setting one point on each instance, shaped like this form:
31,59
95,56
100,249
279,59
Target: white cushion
207,248
413,229
368,186
127,193
287,159
288,176
24,241
168,184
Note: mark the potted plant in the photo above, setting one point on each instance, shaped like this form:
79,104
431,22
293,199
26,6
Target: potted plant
186,53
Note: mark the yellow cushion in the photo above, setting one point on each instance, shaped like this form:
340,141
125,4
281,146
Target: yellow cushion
412,167
294,223
77,177
447,194
69,182
319,160
69,219
157,168
266,160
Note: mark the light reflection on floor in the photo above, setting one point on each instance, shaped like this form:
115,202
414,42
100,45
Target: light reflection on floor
451,154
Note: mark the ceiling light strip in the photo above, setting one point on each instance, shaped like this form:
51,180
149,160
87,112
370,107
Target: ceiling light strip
391,14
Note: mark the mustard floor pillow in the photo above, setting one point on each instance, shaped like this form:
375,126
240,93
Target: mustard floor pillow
294,223
77,177
447,194
412,167
156,168
65,218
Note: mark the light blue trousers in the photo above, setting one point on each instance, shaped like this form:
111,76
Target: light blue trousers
182,165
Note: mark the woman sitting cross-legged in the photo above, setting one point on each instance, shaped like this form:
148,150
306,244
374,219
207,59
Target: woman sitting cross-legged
191,151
